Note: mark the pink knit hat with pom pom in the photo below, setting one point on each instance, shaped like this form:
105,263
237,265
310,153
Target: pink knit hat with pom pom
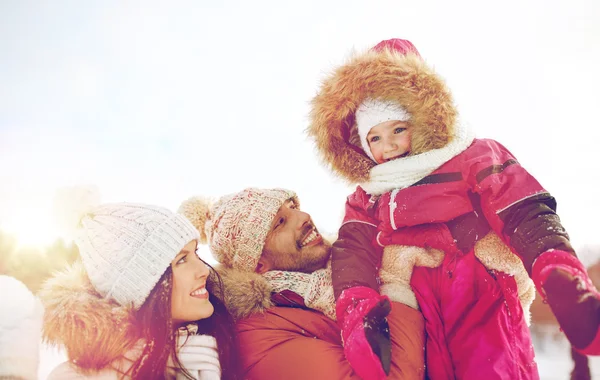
236,226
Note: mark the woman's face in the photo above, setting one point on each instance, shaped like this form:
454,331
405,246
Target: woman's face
189,297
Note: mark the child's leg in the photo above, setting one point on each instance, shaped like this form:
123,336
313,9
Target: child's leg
361,311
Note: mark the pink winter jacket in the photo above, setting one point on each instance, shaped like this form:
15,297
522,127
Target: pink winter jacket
475,323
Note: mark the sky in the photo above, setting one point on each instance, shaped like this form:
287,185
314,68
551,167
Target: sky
159,101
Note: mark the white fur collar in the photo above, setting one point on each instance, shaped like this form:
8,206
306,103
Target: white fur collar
404,172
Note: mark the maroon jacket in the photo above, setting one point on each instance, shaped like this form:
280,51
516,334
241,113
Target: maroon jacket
484,188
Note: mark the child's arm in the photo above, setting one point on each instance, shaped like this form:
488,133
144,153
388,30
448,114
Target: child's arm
515,205
355,257
533,227
521,211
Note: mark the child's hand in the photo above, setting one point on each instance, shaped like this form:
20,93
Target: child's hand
365,331
377,332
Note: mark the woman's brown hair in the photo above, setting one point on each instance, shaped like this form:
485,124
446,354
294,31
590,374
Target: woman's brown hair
156,327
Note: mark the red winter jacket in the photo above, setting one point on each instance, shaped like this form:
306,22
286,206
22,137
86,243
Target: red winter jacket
280,338
474,320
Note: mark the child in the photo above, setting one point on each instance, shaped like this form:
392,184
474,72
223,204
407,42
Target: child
387,121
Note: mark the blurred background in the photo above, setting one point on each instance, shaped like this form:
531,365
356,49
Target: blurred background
159,101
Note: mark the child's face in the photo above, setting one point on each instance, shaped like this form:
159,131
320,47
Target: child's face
389,140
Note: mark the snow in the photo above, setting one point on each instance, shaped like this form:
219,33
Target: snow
553,355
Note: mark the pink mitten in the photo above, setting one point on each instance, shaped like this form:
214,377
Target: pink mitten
361,313
564,283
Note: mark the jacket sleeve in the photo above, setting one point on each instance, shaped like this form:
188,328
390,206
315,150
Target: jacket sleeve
292,343
515,205
533,227
355,259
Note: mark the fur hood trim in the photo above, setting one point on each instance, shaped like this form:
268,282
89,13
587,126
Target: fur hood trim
93,330
245,292
389,76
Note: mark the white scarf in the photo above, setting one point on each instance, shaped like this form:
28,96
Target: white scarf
199,356
404,172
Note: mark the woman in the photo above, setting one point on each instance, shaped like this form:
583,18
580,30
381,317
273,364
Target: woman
137,306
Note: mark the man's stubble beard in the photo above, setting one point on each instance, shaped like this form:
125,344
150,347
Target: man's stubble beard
306,262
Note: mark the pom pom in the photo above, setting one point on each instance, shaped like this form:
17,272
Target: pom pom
197,210
72,204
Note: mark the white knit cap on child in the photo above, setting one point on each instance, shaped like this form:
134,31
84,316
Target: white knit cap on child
372,112
125,247
20,330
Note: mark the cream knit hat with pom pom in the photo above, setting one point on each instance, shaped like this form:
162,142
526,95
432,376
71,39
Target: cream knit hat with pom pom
125,247
236,226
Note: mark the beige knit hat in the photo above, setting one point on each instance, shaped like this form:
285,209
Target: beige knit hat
125,247
236,226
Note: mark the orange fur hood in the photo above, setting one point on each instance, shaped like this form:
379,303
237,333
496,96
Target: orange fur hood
385,75
93,330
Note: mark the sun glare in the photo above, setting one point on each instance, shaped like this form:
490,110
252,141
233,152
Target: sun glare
31,229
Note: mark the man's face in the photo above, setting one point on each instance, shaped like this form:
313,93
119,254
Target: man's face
294,244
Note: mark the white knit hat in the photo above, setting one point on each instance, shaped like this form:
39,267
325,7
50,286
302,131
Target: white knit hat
236,226
126,247
20,330
372,112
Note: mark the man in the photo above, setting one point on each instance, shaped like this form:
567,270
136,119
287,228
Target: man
277,284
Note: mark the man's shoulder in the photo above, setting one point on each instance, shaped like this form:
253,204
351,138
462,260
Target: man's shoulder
293,318
293,322
296,314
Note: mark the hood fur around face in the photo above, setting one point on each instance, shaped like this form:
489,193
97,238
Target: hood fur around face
388,76
246,293
94,331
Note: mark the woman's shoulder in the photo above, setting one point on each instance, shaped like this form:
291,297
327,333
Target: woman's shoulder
69,371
